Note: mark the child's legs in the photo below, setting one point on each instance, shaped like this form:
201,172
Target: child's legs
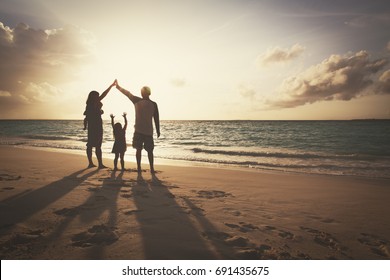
122,155
116,160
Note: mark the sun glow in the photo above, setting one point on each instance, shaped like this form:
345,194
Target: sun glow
133,70
202,60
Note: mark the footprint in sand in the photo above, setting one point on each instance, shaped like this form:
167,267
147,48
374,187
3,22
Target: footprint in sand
8,177
242,226
27,237
286,234
232,211
269,228
325,239
213,194
378,246
281,233
266,252
96,235
227,239
20,241
244,249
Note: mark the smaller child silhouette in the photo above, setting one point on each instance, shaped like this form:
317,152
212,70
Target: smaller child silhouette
120,146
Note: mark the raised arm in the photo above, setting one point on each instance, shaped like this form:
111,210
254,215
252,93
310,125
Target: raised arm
104,94
132,97
125,126
112,120
156,118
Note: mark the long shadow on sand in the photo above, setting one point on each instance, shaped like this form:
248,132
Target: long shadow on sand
97,216
170,226
20,208
169,229
100,233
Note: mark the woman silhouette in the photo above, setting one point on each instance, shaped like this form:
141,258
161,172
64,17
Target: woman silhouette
93,120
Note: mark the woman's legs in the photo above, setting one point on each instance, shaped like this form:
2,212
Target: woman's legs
98,151
89,156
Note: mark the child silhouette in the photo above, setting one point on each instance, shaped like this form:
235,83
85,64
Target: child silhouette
120,146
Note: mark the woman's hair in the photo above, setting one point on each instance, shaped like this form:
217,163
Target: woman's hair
93,102
117,130
93,96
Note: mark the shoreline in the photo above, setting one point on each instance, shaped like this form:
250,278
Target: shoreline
187,163
52,207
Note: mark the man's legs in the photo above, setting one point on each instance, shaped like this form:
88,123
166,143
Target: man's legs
151,161
138,157
144,141
149,147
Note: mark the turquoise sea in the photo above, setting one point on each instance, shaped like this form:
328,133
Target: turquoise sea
357,147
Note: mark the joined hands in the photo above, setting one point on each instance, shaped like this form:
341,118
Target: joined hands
114,84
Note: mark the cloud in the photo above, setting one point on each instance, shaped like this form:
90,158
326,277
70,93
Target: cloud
4,94
383,85
278,55
336,78
35,61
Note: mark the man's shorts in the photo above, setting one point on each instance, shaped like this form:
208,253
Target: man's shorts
142,141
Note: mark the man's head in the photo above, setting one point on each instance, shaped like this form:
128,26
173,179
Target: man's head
145,92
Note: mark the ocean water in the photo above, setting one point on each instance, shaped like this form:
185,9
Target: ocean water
353,148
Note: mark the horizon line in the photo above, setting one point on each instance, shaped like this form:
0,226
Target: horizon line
354,119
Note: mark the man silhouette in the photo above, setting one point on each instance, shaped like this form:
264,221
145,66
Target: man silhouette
145,111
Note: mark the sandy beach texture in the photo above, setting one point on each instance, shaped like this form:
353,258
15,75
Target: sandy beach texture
54,208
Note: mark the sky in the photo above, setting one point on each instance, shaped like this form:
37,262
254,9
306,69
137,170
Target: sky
202,59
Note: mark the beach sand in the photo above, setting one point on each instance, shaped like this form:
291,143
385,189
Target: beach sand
54,208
